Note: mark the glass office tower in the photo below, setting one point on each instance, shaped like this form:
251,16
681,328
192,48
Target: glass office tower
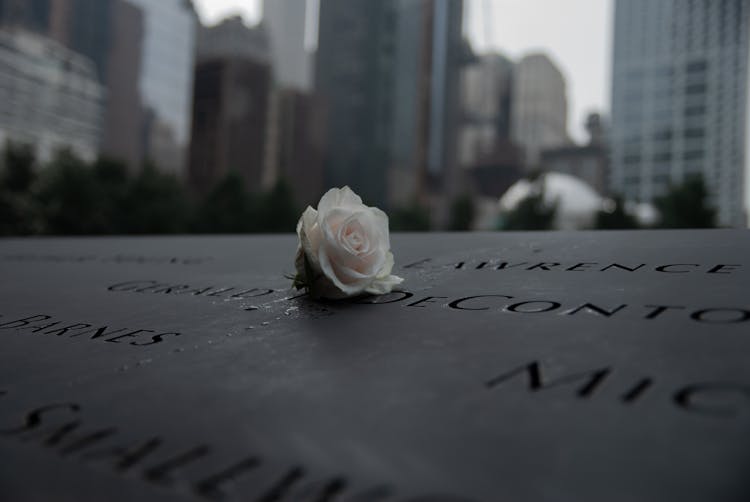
679,99
166,81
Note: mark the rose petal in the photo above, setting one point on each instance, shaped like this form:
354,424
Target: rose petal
327,268
309,235
384,285
339,198
380,221
369,263
299,263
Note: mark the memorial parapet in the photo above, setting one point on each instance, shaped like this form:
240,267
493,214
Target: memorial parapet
511,366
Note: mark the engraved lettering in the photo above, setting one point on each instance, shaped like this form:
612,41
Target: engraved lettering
721,316
379,300
36,329
162,471
718,269
62,331
129,286
457,304
623,267
668,268
99,332
220,292
158,338
689,398
543,266
659,310
23,322
417,264
211,486
589,307
505,265
126,457
637,391
132,334
171,289
590,379
280,489
256,292
580,267
34,417
428,299
546,307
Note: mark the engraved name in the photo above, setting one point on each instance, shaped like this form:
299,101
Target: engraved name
117,259
62,429
717,399
512,304
164,288
529,266
42,324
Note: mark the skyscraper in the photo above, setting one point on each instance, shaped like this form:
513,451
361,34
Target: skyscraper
388,73
285,22
122,136
86,26
486,101
354,77
449,53
680,99
166,80
51,96
230,105
109,33
539,106
33,15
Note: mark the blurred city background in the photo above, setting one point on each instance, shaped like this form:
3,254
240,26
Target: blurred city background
172,116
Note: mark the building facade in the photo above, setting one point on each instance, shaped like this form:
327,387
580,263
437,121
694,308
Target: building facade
233,39
33,15
354,77
486,100
589,163
166,80
110,34
230,106
539,112
295,142
50,96
286,23
387,73
122,135
680,100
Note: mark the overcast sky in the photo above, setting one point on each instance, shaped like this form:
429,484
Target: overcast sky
575,33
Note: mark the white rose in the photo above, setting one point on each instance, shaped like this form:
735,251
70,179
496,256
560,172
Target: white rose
344,248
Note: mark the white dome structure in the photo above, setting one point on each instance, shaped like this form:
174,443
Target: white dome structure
577,203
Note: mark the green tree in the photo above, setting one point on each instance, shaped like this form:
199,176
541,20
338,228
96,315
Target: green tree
70,197
276,211
413,218
19,211
156,203
19,164
617,219
462,213
227,208
532,213
686,206
113,181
